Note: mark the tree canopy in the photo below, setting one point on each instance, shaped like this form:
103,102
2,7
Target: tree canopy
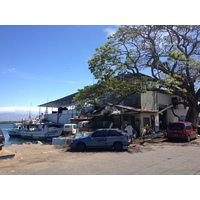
170,52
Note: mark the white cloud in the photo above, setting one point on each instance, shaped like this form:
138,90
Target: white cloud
111,30
72,82
16,113
17,109
11,70
8,71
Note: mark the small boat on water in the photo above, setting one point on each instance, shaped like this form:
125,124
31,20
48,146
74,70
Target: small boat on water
45,131
38,131
15,131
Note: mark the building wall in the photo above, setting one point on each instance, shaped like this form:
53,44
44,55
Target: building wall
157,101
180,111
149,100
64,117
164,99
133,100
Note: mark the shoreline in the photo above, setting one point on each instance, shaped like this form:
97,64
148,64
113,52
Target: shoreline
9,122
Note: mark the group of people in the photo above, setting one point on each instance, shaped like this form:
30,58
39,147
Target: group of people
131,132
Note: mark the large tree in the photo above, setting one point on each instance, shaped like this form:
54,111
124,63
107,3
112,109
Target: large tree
172,53
109,89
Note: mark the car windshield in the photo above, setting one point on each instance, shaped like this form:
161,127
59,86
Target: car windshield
177,127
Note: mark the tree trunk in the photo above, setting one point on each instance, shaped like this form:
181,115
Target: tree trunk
192,115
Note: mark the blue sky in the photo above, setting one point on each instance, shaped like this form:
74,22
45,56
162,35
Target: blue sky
40,62
46,62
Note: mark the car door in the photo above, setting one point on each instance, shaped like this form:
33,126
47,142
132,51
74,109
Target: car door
98,139
113,136
189,131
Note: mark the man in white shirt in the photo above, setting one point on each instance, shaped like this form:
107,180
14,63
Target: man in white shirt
129,130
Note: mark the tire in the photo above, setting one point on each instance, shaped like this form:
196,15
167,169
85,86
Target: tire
80,147
118,146
188,138
170,139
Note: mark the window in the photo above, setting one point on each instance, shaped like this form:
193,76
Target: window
177,127
99,134
189,126
146,121
74,126
114,133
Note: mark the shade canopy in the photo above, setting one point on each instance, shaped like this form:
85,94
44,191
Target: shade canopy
63,102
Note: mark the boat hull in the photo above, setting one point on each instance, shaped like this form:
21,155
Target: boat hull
41,135
13,133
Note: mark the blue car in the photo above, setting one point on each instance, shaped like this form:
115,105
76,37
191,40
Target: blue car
100,138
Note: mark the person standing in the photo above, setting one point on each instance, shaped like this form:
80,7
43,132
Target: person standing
129,130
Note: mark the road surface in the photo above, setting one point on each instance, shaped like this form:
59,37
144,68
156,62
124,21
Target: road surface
157,158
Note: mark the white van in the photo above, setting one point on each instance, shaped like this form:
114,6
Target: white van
70,128
84,126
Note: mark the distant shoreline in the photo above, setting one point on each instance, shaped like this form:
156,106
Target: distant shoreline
8,122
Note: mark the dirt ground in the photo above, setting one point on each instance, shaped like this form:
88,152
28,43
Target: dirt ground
28,153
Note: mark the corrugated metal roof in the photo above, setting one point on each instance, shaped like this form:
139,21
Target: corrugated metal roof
128,109
63,102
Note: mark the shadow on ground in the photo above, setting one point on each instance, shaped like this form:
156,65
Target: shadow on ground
140,146
97,150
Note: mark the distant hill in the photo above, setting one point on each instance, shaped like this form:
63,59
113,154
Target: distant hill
15,116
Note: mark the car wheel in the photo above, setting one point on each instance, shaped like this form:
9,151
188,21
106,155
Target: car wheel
81,147
170,139
118,146
188,138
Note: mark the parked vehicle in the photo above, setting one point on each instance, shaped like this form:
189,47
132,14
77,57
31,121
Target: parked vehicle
101,138
84,126
2,139
70,128
181,130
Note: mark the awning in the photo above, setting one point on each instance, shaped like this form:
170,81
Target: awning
139,110
123,109
63,102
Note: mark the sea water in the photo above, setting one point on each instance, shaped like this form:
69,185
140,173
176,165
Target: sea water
14,140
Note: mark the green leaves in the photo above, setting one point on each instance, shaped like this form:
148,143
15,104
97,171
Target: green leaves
105,61
170,52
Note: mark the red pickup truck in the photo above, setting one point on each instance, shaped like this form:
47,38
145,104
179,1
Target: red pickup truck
181,130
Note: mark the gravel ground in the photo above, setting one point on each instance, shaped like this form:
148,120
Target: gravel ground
29,155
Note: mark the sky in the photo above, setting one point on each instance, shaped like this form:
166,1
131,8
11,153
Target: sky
45,45
41,63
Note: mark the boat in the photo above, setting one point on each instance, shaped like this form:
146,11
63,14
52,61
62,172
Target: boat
15,131
44,131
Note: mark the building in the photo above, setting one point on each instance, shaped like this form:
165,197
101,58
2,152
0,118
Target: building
61,110
153,108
